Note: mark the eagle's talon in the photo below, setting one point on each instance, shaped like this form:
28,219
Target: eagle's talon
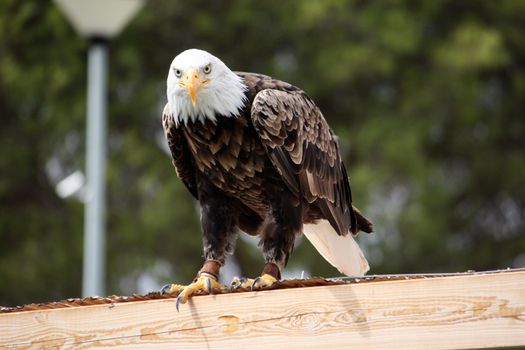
204,283
179,299
255,281
171,288
263,282
165,289
208,285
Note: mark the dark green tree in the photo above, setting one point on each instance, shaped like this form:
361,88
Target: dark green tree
426,97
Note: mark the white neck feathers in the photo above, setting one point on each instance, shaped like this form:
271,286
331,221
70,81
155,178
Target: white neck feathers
223,95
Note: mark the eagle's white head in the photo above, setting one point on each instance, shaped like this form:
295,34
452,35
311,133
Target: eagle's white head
200,86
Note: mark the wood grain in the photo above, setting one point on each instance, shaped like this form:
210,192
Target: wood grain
477,311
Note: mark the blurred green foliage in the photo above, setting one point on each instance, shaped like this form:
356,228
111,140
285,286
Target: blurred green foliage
427,98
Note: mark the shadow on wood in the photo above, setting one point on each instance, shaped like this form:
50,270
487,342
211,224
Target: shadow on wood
481,310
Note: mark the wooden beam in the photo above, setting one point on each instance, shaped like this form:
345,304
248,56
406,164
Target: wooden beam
458,312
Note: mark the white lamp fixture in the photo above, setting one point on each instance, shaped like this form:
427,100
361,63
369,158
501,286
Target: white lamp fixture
98,20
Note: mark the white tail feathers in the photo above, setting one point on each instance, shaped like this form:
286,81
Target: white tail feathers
340,251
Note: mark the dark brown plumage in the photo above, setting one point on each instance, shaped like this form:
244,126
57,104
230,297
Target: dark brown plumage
268,171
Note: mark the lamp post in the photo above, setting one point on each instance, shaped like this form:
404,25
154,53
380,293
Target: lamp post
99,21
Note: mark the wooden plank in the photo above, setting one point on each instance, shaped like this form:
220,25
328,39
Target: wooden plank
477,311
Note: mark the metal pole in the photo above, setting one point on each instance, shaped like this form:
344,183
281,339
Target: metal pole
93,278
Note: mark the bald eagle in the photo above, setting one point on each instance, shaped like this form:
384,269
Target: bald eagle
259,156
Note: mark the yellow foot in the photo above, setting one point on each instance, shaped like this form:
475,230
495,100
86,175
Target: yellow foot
261,282
205,282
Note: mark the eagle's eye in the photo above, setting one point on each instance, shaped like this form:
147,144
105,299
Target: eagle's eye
178,72
207,69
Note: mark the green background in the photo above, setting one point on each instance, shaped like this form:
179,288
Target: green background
427,98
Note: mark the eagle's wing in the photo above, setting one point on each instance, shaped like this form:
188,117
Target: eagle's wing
180,152
302,147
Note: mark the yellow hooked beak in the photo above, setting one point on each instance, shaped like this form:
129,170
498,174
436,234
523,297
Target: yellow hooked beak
193,83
